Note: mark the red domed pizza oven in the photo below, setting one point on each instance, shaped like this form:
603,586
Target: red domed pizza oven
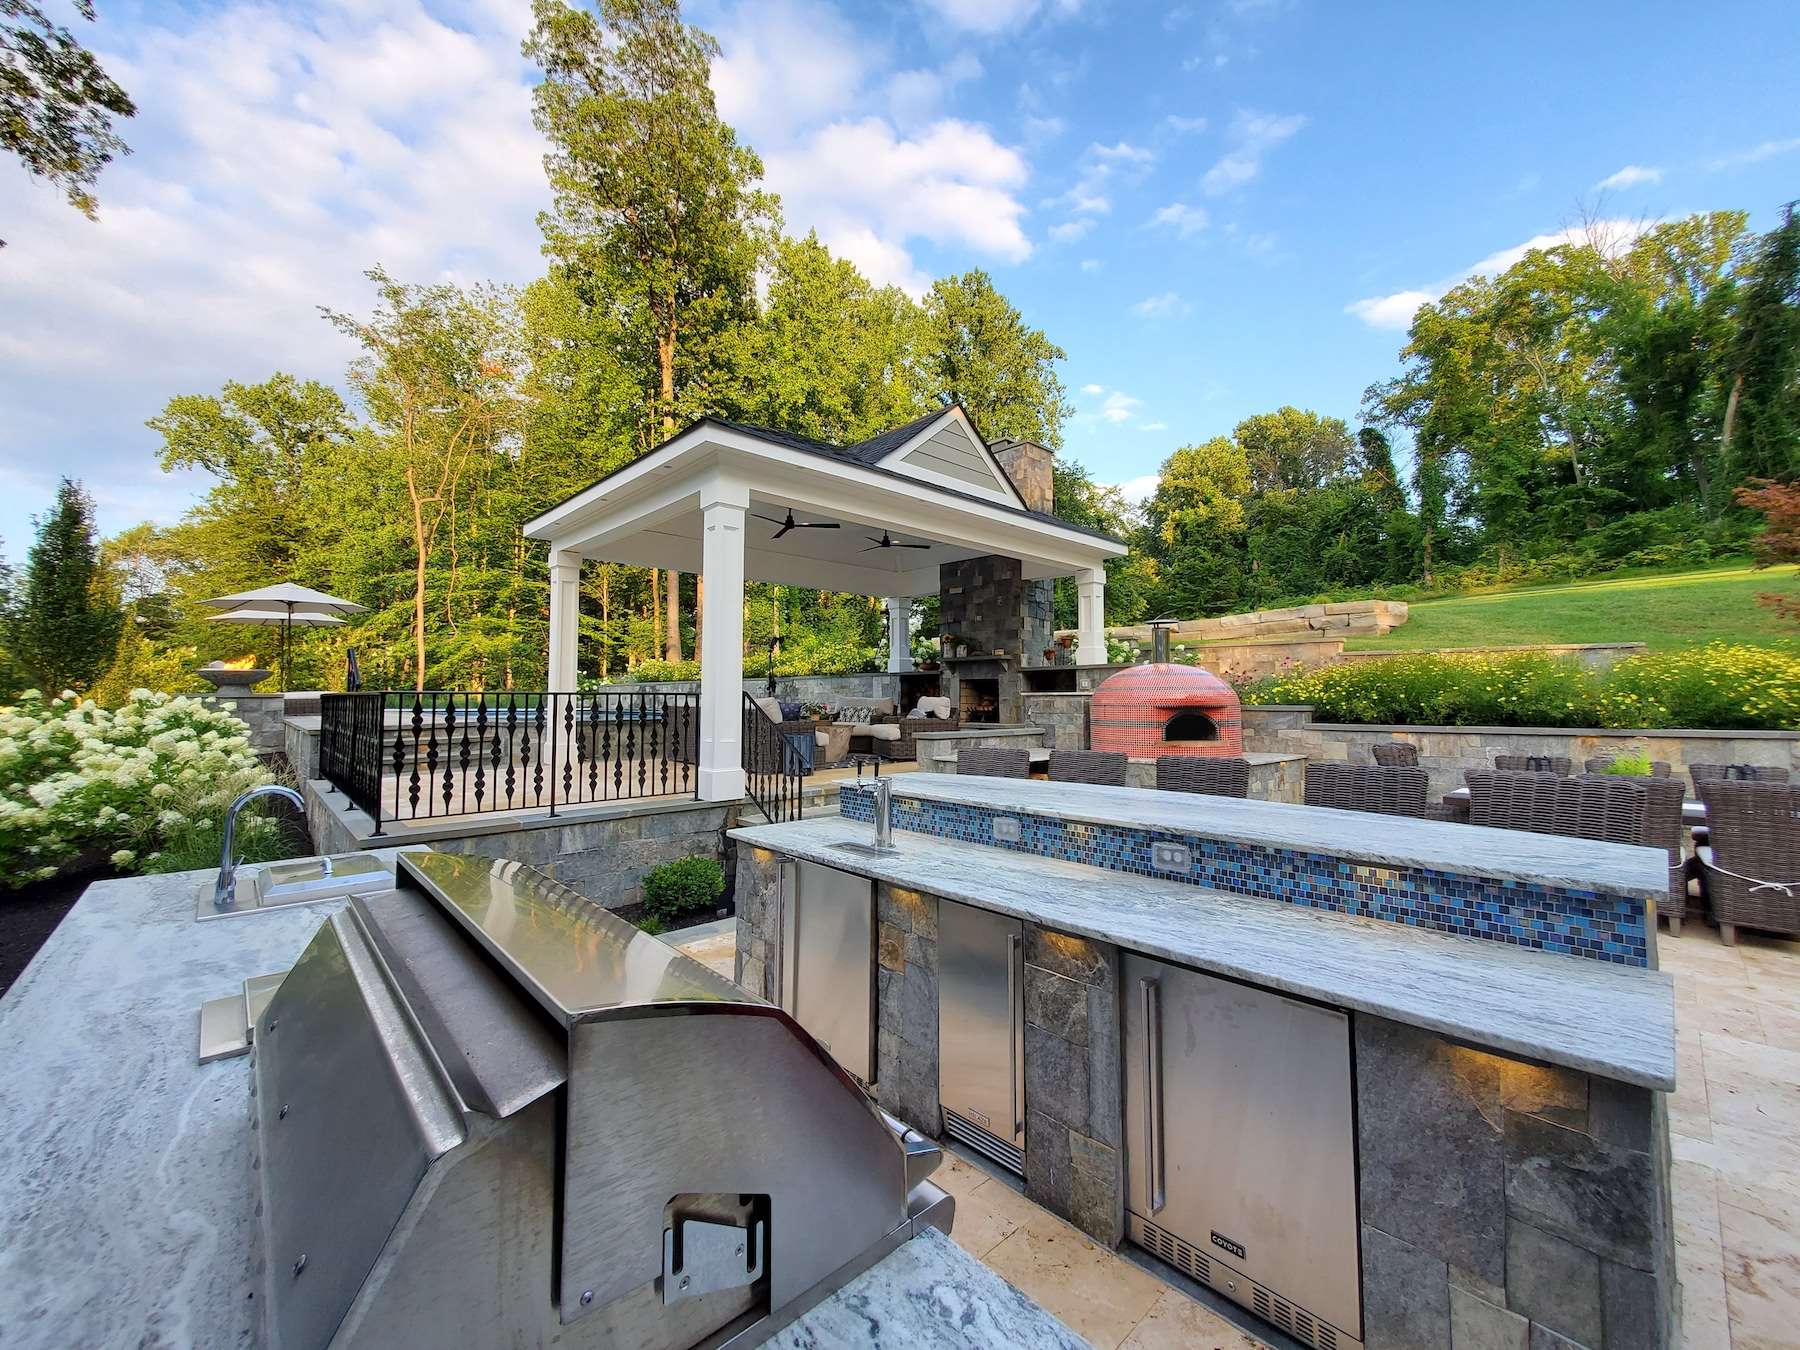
1164,709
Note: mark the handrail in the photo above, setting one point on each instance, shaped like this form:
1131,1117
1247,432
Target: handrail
773,777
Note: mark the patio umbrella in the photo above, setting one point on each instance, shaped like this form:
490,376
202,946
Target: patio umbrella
283,604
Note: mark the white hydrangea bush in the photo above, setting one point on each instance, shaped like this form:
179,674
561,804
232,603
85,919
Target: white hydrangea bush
77,779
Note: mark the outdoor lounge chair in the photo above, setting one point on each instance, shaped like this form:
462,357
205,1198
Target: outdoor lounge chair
1623,810
1209,775
994,761
1561,765
1395,754
1403,790
1751,873
1740,773
1104,767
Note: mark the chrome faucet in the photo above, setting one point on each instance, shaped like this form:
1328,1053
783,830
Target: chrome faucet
225,888
884,813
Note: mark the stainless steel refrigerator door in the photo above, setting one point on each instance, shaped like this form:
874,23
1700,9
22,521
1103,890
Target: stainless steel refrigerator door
981,1020
1240,1138
828,961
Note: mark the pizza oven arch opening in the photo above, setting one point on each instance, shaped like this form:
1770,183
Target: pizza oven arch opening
1190,727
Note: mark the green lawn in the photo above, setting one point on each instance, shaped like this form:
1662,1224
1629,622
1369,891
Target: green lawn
1662,610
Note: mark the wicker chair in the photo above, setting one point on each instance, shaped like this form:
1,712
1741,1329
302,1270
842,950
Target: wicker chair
1399,791
1395,754
994,761
1208,775
1560,765
1659,768
1104,767
1752,876
1622,810
1745,773
905,747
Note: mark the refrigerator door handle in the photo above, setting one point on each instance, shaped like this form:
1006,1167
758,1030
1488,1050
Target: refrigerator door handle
1015,945
1154,1196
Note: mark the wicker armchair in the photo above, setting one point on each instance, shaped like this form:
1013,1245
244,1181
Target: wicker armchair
1208,775
1752,876
1104,767
1659,768
1560,765
1399,791
1395,754
1744,773
906,747
1622,810
994,761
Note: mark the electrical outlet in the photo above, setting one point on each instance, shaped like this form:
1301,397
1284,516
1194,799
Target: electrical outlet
1171,857
1006,830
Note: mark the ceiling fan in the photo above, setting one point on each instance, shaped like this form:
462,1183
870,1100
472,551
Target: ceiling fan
886,542
791,524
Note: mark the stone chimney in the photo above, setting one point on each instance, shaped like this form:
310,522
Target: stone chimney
1032,469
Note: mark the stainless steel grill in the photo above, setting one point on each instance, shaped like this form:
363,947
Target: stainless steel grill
489,1112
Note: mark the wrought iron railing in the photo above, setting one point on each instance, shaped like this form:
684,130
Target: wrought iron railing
774,770
403,756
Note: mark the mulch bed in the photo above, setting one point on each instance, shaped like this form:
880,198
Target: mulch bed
28,916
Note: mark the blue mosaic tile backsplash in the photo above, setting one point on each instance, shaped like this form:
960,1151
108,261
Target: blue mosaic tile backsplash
1544,918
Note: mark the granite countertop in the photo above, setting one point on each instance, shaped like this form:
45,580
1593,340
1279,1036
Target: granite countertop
126,1194
1386,841
1614,1021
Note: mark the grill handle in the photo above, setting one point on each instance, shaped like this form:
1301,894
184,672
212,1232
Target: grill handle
1151,991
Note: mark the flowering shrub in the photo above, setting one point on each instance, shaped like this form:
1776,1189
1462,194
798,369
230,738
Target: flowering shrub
80,780
1716,687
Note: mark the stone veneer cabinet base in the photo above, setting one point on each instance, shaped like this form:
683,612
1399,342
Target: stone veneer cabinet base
1502,1203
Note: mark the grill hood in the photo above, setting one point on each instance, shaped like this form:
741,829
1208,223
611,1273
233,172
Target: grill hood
488,1112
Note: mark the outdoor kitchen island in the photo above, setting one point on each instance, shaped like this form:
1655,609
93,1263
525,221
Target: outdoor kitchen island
1384,1081
132,1179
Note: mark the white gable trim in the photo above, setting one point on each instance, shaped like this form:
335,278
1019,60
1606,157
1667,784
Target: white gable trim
1001,489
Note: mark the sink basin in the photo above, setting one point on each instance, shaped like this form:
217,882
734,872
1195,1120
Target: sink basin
865,850
298,881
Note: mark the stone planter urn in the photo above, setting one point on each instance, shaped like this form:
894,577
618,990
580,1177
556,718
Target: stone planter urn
230,682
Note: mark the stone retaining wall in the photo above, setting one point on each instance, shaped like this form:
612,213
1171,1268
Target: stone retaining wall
1445,752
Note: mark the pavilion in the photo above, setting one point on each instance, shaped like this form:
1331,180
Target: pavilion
693,505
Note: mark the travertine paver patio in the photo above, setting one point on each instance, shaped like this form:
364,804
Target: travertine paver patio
1735,1135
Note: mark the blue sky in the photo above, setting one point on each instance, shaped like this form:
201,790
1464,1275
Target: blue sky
1216,207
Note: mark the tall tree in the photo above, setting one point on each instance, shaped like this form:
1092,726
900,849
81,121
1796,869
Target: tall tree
1761,432
1293,448
439,379
651,189
57,103
977,350
63,623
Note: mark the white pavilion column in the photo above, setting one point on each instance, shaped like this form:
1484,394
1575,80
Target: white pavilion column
899,610
565,620
1090,647
722,508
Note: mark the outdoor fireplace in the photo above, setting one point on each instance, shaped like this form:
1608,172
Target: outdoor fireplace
979,699
1166,709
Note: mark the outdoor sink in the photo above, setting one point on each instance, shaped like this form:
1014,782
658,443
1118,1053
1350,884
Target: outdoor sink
864,850
299,881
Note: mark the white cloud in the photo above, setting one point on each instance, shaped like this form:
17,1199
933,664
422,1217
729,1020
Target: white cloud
1252,135
1187,221
753,81
1090,264
1093,389
1139,489
280,150
1101,167
1124,153
1119,407
1187,126
1041,129
1755,154
1397,310
1153,426
1632,175
1070,230
915,96
1165,306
